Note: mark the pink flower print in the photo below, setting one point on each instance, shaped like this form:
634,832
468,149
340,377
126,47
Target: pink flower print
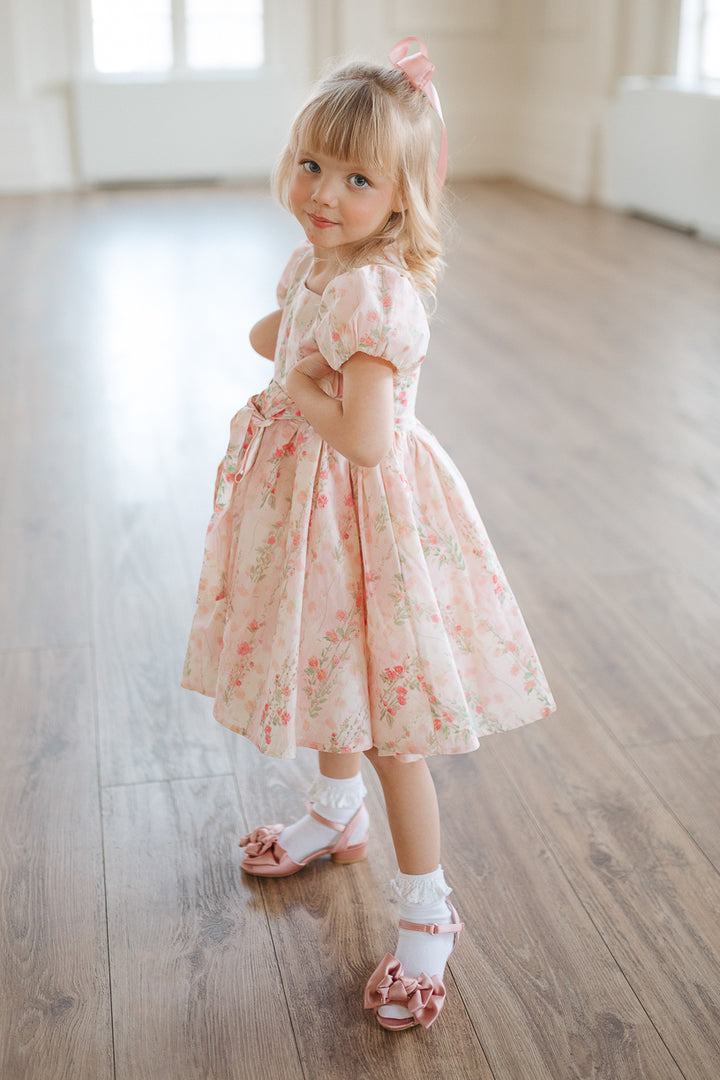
387,301
313,661
268,733
271,540
335,335
335,660
399,669
349,501
243,648
323,474
253,625
372,316
321,675
279,452
322,500
332,636
437,723
529,685
511,646
341,616
285,717
545,712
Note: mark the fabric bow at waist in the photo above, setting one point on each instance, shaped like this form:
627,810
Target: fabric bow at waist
246,429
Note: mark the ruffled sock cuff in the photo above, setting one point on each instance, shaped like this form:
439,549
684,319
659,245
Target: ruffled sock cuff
424,889
338,794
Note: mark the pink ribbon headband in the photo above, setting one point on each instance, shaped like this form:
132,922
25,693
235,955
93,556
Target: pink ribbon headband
419,69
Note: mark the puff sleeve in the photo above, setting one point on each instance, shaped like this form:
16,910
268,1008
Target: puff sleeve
376,310
291,271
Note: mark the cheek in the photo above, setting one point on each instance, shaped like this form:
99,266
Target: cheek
296,191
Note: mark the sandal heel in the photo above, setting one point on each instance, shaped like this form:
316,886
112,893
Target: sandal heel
353,854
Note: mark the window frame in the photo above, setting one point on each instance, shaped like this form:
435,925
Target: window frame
180,69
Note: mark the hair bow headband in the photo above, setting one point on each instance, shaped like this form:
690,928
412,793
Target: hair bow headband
419,68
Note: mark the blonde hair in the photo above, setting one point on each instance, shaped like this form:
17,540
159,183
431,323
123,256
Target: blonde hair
373,115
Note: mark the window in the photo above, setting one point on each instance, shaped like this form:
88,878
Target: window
699,44
155,36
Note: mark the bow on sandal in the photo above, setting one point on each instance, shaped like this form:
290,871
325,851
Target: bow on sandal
266,858
424,996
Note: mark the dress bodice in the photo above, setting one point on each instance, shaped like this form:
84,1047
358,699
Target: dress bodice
373,309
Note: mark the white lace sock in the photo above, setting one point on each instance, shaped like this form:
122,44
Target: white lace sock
422,900
336,800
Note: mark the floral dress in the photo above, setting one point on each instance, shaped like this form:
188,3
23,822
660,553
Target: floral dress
342,607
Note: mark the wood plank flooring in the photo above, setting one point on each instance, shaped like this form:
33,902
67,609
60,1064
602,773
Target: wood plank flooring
574,375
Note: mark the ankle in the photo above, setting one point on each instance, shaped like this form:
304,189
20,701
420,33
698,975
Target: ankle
337,800
421,890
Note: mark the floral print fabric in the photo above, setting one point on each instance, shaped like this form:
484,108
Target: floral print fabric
341,607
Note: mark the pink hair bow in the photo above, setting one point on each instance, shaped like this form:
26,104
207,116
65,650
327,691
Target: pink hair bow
419,69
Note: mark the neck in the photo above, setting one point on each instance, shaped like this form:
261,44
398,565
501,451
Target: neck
325,266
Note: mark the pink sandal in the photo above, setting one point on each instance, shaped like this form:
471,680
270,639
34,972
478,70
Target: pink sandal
266,858
424,997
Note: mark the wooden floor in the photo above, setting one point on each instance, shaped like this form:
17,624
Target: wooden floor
574,375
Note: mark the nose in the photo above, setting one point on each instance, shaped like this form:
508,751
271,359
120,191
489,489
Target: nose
325,193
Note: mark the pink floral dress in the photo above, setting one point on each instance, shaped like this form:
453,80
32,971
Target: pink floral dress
342,607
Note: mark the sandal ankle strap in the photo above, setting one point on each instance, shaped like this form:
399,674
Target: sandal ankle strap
453,927
346,830
432,928
324,821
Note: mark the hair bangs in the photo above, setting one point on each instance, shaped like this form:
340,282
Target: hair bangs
351,124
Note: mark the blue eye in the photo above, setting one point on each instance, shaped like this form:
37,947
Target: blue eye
310,166
359,181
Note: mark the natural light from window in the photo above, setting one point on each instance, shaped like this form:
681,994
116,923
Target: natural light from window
133,37
710,61
699,43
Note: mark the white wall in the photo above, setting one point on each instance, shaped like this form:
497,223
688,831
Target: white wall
526,86
570,57
35,71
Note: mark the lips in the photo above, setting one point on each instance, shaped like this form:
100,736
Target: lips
321,222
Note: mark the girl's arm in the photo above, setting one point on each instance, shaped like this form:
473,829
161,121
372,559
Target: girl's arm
360,425
263,336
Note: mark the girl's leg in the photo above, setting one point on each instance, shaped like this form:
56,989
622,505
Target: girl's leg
412,810
339,766
414,818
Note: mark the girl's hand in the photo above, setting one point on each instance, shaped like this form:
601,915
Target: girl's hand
359,425
316,367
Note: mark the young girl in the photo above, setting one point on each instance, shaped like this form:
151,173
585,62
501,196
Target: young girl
350,600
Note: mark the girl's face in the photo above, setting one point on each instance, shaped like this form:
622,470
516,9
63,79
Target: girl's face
339,203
